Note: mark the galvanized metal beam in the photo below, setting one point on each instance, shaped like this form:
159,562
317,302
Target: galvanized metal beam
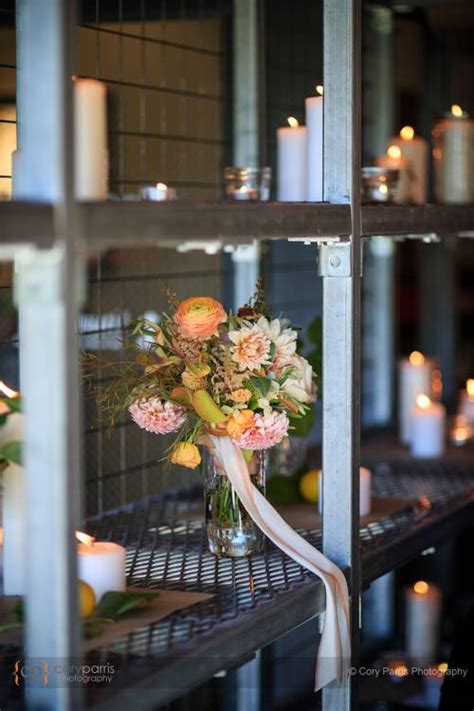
48,286
341,269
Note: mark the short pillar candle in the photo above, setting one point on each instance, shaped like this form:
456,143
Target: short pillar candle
414,379
101,564
428,428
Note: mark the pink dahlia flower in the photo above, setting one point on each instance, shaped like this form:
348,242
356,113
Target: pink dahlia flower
250,347
266,431
157,416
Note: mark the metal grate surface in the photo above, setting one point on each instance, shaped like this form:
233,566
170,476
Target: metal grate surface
166,541
166,548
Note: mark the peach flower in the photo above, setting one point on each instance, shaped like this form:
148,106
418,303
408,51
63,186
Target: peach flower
239,422
265,431
186,454
240,395
159,417
199,317
251,347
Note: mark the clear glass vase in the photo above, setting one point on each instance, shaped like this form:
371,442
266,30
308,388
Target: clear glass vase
230,530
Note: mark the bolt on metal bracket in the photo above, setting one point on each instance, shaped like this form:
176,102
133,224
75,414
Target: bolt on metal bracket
335,260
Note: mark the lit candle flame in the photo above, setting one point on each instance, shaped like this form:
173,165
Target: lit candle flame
470,388
423,401
85,538
417,358
394,152
292,122
407,133
421,587
319,89
383,189
243,189
443,667
161,186
456,110
8,392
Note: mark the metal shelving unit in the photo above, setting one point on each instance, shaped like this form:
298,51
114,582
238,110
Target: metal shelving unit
47,232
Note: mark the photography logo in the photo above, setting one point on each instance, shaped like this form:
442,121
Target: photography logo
35,674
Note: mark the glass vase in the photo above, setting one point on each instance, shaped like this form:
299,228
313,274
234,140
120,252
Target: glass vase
230,530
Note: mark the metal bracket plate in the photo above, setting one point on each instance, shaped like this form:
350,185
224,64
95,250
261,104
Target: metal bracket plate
335,260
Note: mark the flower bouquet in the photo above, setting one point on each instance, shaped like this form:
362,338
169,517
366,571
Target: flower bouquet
207,373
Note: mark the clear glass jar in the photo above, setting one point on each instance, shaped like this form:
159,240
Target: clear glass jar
379,184
247,183
230,530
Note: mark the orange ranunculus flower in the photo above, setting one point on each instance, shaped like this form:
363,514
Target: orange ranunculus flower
186,454
199,317
240,422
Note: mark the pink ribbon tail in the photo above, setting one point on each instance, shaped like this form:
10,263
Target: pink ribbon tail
334,652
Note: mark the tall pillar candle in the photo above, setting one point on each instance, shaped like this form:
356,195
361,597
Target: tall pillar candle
423,609
414,380
90,140
13,507
101,564
314,126
292,162
415,150
395,161
365,489
428,428
453,156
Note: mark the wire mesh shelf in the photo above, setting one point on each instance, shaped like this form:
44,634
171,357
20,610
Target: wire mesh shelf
166,545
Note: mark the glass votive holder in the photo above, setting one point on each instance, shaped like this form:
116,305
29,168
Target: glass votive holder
159,192
247,183
379,184
461,431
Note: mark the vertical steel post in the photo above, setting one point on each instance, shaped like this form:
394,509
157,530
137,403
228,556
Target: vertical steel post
341,269
247,126
48,286
247,144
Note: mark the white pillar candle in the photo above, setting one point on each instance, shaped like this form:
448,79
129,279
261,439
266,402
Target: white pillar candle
365,488
423,609
90,140
428,428
453,155
314,126
414,379
292,162
467,402
101,564
13,506
159,192
415,150
394,160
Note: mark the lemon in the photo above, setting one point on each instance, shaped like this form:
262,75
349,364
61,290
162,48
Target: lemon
309,486
86,599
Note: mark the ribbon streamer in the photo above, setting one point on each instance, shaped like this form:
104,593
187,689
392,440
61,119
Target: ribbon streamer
335,646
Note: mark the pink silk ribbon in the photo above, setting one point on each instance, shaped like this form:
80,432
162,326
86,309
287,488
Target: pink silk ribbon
335,646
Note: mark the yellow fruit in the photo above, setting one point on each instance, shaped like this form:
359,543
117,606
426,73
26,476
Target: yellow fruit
309,486
86,599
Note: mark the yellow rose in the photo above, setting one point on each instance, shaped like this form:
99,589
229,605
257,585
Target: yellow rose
199,317
240,422
186,454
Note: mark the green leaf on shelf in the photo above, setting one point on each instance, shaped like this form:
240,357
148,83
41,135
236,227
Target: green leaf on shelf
92,628
115,604
11,452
